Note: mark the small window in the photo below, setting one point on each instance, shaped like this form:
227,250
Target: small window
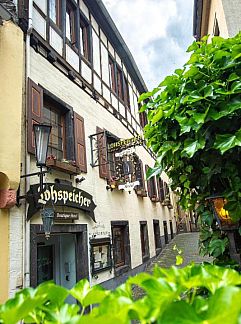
121,245
143,119
70,23
52,116
144,241
55,11
112,75
85,39
120,84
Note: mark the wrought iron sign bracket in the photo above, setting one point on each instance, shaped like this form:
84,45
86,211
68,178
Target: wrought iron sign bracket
96,148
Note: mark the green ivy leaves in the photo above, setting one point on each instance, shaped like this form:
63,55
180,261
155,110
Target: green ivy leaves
194,294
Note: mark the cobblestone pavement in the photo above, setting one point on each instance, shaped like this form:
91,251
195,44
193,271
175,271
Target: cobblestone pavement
188,243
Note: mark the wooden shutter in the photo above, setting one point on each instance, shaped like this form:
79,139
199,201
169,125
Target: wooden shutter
140,174
148,183
102,153
161,189
35,106
80,150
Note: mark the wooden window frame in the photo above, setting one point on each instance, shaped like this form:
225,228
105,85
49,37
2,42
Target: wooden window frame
151,188
36,96
144,243
74,41
120,269
52,106
86,38
112,72
58,22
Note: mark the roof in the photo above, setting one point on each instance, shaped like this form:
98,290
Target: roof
108,26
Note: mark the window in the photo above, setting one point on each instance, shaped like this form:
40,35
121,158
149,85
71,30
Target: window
70,23
151,186
52,116
67,138
121,246
156,231
144,241
118,82
143,119
112,75
55,11
85,39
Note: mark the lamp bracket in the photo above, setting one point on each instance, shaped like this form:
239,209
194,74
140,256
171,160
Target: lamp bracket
34,174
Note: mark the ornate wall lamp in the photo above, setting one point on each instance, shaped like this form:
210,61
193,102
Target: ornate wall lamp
41,137
227,225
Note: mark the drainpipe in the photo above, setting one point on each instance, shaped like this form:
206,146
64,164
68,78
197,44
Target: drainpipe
26,224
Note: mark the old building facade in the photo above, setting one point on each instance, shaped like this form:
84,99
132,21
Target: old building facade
108,220
216,18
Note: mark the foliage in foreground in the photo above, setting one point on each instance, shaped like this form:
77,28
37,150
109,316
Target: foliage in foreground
194,119
194,294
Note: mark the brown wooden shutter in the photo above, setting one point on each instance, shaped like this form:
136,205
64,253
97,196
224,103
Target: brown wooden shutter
161,190
35,106
148,183
102,152
80,150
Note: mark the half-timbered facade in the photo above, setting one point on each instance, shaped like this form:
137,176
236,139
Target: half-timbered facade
83,81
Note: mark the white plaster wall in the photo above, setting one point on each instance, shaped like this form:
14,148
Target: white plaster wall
105,64
96,52
114,205
42,4
56,41
39,23
15,250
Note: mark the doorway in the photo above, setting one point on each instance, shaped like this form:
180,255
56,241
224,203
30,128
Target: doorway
165,232
62,258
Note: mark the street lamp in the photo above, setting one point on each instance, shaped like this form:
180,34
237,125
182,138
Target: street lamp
226,225
41,137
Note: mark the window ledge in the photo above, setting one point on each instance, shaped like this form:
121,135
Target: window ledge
122,269
154,199
62,166
145,258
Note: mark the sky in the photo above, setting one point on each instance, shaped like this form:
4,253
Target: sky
157,32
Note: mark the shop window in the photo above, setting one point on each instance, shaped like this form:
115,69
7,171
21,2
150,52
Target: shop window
121,245
70,23
157,236
67,139
85,38
55,11
100,253
151,187
144,241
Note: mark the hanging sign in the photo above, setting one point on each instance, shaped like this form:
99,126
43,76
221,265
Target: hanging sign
126,143
129,186
55,194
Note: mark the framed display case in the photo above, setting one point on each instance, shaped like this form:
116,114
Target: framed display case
100,254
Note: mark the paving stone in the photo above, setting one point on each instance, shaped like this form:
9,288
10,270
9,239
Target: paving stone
188,243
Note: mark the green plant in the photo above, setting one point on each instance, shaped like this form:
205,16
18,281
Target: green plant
194,294
194,119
